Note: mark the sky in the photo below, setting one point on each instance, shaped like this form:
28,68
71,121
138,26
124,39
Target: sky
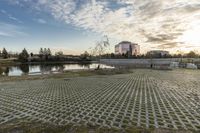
74,26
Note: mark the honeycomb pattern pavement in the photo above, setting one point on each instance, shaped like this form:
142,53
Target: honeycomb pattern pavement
144,98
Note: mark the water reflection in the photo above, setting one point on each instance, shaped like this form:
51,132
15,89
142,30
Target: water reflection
26,69
6,71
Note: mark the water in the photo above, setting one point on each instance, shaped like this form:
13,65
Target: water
26,69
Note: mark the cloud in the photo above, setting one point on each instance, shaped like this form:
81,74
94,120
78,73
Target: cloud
2,33
66,50
41,21
148,22
10,30
3,11
160,38
168,45
10,16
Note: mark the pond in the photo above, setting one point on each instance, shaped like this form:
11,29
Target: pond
26,69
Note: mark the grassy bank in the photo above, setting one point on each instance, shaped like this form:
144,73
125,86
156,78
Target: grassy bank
9,62
66,74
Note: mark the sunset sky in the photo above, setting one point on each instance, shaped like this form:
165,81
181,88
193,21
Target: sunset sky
74,26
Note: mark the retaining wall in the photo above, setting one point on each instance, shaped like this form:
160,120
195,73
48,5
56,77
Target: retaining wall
146,62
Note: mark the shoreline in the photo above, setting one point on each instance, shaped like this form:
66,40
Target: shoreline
16,63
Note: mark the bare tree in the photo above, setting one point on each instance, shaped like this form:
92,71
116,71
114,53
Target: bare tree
100,48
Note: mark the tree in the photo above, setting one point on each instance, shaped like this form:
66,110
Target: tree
127,54
130,51
100,48
41,52
59,56
85,56
48,52
23,56
4,53
112,55
192,54
31,54
45,51
60,53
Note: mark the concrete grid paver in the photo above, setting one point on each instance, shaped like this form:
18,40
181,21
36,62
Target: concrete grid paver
144,98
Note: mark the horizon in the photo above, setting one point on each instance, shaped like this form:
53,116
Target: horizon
54,51
74,26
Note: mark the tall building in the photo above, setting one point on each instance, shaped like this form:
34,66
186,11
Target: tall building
126,46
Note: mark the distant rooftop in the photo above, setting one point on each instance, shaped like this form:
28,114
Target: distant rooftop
124,42
127,42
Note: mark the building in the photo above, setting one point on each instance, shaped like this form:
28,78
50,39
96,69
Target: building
158,53
126,46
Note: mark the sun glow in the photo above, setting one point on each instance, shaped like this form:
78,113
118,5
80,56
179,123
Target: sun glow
191,37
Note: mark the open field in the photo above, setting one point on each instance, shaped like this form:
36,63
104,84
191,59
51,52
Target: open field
143,98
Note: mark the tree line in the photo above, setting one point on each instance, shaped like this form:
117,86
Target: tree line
190,54
44,54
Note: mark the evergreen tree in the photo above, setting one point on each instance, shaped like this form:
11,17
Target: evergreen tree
49,52
45,51
31,54
4,53
41,52
23,56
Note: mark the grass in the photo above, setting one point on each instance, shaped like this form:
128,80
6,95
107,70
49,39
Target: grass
47,128
67,74
8,62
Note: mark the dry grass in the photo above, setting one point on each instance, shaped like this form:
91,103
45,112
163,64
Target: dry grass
67,74
46,128
6,62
